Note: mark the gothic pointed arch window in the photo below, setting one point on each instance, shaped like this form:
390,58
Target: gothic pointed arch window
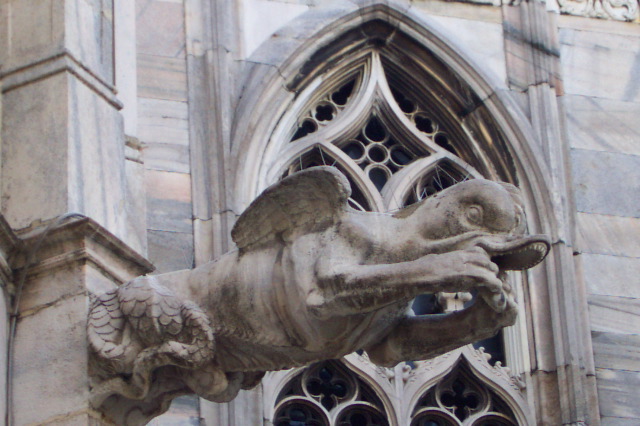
402,126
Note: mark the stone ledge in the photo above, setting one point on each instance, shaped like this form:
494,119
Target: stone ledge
59,62
74,230
65,252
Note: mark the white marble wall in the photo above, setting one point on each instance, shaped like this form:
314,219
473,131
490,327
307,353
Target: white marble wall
163,131
600,64
601,67
162,128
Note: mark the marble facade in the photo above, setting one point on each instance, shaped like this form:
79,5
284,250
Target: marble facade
145,116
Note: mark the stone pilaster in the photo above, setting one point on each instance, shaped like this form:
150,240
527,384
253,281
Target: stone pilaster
50,374
563,368
63,134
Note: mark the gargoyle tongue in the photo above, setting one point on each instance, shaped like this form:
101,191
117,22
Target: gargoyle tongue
519,253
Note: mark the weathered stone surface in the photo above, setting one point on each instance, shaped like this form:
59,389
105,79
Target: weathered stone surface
618,393
29,174
598,66
89,37
616,351
262,18
602,26
542,379
137,205
163,121
170,251
4,339
614,314
9,245
612,275
603,234
459,10
125,62
168,201
161,77
58,390
80,254
487,51
618,421
606,183
84,139
314,23
602,124
160,28
32,30
348,278
97,188
532,51
168,157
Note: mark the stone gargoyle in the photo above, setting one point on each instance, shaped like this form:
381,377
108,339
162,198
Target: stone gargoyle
311,279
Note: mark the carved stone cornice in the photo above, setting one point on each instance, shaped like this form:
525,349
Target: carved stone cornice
63,61
84,241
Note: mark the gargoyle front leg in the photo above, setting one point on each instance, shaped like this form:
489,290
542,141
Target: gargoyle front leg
351,289
427,336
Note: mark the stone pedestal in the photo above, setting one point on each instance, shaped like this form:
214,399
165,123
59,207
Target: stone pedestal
50,358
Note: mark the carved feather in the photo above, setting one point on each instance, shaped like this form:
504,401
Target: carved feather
105,324
309,201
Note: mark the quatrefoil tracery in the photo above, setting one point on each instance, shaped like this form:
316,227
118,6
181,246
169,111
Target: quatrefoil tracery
378,135
328,392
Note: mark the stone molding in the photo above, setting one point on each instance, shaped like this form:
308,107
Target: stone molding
400,388
63,61
617,10
563,362
82,240
532,46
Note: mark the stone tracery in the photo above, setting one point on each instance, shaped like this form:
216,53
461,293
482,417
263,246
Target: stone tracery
331,391
406,155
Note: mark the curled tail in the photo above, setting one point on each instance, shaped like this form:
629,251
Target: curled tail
140,327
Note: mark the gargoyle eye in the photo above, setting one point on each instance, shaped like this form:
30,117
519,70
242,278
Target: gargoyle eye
474,214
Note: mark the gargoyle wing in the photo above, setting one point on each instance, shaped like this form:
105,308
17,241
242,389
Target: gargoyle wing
308,201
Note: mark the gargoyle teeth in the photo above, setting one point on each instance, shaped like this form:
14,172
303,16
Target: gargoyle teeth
519,254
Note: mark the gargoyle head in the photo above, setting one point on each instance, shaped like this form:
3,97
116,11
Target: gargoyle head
486,214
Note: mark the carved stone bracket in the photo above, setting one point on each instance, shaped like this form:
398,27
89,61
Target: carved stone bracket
73,260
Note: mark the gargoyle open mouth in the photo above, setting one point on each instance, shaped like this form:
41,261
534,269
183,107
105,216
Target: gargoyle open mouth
518,253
